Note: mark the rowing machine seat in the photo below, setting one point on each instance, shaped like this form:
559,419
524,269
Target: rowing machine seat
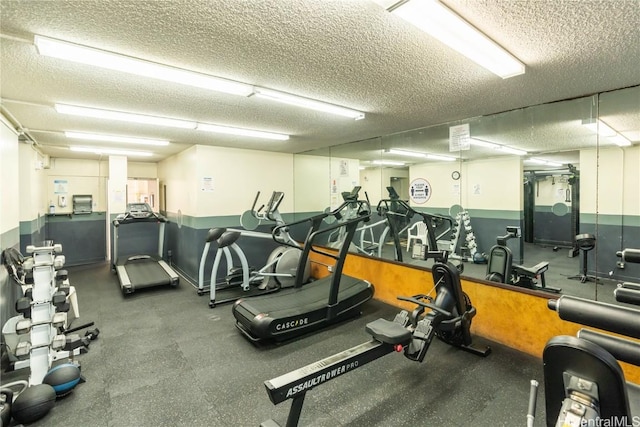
388,332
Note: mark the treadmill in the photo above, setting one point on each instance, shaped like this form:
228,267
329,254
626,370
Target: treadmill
305,308
143,269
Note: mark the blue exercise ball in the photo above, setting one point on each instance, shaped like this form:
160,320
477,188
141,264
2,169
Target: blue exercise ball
63,378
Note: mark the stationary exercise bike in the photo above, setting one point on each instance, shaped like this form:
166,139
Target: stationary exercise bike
447,316
500,266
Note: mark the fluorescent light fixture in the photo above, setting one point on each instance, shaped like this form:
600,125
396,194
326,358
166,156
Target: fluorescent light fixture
127,64
504,148
110,151
162,121
599,127
406,153
440,22
606,131
620,140
388,163
124,117
312,104
115,138
485,144
543,162
512,150
242,132
439,157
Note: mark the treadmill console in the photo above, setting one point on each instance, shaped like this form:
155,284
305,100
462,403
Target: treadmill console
139,210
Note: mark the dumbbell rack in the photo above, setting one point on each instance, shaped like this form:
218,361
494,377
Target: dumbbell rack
463,222
41,314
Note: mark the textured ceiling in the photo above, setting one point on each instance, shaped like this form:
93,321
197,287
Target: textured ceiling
347,52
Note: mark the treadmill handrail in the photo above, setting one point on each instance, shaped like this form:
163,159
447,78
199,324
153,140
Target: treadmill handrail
313,235
351,226
316,220
427,218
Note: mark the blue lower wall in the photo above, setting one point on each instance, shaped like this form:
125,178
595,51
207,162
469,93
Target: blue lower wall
185,241
613,233
83,237
551,229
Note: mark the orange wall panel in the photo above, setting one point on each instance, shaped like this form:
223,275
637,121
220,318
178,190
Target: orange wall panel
516,318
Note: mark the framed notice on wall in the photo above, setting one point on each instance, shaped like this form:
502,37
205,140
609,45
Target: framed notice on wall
459,137
60,186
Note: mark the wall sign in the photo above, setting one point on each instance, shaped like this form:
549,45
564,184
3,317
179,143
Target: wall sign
60,186
420,191
459,137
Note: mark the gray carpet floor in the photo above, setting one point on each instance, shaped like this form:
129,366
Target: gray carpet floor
164,358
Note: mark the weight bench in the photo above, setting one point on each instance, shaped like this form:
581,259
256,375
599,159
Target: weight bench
526,276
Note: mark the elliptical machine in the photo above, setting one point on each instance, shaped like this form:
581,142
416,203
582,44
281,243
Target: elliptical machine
244,281
500,266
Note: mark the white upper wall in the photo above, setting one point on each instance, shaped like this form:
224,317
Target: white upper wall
311,178
492,184
220,181
9,188
83,177
613,189
32,203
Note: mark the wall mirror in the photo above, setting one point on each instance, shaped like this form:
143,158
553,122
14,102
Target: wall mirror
531,180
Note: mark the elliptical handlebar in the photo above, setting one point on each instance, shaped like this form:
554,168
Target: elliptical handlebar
271,206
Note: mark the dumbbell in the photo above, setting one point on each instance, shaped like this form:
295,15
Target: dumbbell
23,306
59,300
92,334
61,276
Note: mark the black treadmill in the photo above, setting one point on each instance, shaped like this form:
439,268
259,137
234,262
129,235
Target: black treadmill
306,308
140,270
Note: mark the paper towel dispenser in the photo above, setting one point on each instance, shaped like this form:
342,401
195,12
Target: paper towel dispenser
82,204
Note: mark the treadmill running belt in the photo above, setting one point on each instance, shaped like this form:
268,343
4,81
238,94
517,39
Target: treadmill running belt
282,316
308,298
146,273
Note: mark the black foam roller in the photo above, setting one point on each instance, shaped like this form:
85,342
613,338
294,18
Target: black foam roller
620,348
613,318
631,255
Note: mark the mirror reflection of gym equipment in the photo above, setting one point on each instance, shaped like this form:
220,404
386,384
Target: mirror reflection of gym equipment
500,266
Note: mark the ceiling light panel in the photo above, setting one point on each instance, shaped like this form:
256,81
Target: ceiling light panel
115,138
406,153
440,22
110,151
388,163
241,132
443,158
122,116
127,64
606,131
311,104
